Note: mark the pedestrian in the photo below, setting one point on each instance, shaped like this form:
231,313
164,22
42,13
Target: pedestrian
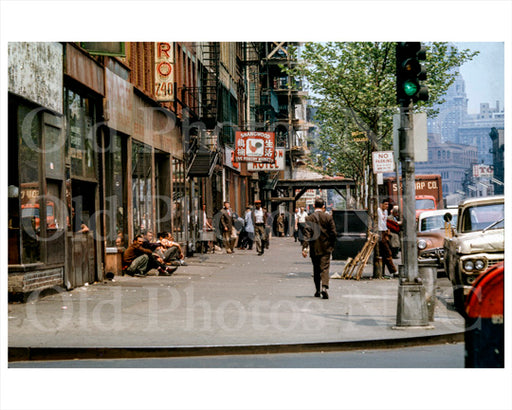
301,223
295,225
259,219
248,239
269,221
207,228
384,248
319,239
226,226
394,225
280,225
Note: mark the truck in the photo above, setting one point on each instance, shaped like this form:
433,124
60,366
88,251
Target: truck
429,192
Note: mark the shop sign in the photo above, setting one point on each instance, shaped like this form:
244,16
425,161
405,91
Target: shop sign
482,170
118,102
164,71
383,161
254,146
277,165
36,73
229,159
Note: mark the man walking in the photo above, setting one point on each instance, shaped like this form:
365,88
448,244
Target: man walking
300,223
319,237
258,221
226,226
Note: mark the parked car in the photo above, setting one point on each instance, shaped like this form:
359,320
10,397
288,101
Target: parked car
478,244
430,235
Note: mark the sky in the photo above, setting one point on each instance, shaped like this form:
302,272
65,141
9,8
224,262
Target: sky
484,75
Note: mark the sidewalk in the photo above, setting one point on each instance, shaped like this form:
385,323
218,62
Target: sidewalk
223,301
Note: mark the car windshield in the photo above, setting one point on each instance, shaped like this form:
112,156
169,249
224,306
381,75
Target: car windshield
431,223
425,204
477,218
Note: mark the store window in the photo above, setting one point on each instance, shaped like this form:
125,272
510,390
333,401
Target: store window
141,188
81,114
115,189
178,196
29,142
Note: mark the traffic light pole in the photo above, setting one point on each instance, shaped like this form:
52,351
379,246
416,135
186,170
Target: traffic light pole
412,307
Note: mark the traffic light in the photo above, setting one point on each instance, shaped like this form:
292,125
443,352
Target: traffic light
409,73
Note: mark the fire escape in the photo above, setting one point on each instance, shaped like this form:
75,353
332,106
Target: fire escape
203,151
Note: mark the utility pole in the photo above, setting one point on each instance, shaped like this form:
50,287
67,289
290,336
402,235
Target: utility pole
412,306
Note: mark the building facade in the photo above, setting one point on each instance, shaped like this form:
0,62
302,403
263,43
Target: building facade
112,140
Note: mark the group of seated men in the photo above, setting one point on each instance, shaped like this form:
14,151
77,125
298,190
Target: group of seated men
165,255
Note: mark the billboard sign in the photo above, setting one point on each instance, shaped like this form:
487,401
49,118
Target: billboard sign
482,170
254,146
277,165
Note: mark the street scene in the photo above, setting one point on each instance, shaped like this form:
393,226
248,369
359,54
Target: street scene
236,204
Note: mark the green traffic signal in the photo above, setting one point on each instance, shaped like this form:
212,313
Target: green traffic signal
409,73
410,88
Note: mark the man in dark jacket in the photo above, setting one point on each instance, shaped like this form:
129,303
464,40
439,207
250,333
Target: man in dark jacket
226,226
319,238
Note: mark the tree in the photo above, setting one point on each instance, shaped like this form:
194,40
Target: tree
353,86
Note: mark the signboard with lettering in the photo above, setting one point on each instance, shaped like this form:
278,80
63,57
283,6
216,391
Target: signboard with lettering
383,161
482,170
164,71
277,165
229,156
254,146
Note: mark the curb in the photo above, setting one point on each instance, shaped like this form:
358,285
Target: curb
16,354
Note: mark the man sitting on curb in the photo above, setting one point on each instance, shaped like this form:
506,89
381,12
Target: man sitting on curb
169,251
136,259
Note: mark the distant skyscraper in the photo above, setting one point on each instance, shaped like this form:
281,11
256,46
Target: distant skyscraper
452,112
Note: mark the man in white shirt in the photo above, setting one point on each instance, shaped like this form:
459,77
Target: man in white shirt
258,220
301,223
384,249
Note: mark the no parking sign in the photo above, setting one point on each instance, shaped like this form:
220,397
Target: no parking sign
383,161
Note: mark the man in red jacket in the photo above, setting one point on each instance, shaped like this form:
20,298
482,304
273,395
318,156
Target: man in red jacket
319,237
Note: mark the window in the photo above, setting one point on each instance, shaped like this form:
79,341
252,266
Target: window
115,201
81,114
141,188
178,195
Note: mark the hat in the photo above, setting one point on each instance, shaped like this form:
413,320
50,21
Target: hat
257,201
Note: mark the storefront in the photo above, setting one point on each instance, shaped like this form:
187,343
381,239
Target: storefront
36,167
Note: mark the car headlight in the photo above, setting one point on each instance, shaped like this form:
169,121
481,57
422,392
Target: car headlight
422,244
469,266
479,264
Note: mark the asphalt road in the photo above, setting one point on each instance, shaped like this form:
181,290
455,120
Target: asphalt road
433,356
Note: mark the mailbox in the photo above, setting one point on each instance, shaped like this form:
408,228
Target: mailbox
351,232
484,335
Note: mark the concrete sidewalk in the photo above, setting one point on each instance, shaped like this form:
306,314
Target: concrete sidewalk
221,302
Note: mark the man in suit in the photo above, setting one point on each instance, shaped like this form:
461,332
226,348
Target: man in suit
319,238
226,226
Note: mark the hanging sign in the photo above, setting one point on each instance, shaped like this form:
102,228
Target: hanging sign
254,146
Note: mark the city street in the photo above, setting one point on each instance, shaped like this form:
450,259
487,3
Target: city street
221,303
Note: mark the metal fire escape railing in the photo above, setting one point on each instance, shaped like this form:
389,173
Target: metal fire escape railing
210,83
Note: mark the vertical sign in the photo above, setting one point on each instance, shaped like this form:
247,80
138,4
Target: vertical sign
164,71
254,146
